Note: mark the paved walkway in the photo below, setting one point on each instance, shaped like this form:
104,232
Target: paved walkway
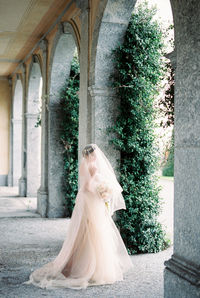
28,241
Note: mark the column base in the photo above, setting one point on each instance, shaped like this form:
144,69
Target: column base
10,180
22,187
181,279
42,202
55,212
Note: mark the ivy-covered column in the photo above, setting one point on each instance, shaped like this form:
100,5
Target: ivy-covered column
182,272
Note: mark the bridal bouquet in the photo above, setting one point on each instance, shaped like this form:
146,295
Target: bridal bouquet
104,192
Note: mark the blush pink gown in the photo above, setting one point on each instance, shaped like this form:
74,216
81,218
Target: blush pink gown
93,252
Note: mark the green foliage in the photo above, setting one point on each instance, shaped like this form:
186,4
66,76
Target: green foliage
38,122
139,69
69,137
167,103
168,169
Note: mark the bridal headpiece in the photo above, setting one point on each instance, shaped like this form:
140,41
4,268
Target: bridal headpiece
88,149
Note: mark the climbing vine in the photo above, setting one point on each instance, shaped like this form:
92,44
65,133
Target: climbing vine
69,137
139,70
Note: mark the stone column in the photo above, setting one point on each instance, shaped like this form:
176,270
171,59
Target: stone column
55,163
60,64
10,173
22,180
42,194
182,272
104,111
17,140
33,155
85,131
108,34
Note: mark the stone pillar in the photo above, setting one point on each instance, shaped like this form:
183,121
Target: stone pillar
33,155
60,65
108,34
104,112
42,194
22,180
55,163
10,173
33,135
17,140
85,131
182,272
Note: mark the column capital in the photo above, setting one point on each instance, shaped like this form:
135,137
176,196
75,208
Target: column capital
184,269
54,107
95,90
16,121
31,116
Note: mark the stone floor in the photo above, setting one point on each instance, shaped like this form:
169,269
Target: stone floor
28,241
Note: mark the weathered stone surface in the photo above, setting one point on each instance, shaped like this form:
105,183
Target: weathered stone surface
175,286
16,143
185,262
22,180
33,155
187,204
112,21
55,164
42,202
33,145
42,193
64,48
17,152
104,112
84,99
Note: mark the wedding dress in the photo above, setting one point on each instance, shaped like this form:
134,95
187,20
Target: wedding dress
93,252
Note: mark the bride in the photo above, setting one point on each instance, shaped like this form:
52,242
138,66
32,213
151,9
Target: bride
93,252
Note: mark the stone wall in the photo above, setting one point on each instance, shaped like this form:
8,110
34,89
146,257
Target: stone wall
182,274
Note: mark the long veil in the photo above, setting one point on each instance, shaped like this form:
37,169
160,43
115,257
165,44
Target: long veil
107,173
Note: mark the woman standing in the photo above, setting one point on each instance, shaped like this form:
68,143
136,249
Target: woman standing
93,252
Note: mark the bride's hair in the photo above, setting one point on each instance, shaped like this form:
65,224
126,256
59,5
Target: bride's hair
88,149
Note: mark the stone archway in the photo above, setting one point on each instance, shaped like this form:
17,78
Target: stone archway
62,54
17,132
33,133
182,274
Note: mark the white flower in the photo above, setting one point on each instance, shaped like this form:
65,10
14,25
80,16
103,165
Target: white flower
104,191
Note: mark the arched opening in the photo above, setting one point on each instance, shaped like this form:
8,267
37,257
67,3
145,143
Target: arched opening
61,58
17,132
108,33
33,136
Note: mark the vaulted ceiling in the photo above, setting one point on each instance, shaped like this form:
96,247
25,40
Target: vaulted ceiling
22,24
